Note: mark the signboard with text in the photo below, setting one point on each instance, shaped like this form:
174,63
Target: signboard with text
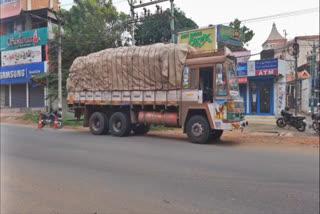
202,39
242,80
21,56
266,67
36,37
242,69
9,8
229,35
20,73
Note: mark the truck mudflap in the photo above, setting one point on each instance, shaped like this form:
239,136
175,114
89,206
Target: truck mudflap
218,113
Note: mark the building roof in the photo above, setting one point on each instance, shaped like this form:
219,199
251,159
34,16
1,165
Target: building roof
274,36
301,75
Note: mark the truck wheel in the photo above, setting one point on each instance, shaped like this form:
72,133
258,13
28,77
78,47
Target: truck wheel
215,134
120,124
198,129
98,123
139,129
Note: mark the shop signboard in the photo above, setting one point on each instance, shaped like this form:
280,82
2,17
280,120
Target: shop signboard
202,39
9,8
242,69
251,68
20,73
242,80
266,67
21,56
36,37
229,35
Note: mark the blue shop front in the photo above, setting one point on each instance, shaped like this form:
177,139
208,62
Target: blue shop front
262,86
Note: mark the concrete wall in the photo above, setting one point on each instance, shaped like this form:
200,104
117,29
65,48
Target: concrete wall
39,4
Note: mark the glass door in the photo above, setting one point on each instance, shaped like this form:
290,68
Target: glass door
261,97
265,98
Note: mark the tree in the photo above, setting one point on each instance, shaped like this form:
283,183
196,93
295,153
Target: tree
156,28
247,36
89,26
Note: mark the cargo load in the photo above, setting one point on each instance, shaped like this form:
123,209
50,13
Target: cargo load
153,67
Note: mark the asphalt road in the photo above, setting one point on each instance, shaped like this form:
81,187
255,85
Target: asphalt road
74,172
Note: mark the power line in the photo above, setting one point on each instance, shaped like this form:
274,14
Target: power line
280,15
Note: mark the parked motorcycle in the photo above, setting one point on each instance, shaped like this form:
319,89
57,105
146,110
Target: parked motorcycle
48,118
287,118
316,122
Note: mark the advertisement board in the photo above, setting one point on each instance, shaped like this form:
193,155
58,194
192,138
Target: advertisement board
229,35
9,8
21,56
266,67
242,69
202,39
20,73
29,38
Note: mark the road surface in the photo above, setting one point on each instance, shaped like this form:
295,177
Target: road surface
74,172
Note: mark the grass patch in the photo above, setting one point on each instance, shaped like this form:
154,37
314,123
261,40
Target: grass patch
160,128
31,117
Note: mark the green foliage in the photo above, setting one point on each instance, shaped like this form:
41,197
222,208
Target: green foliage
157,27
248,35
160,128
89,26
67,120
31,117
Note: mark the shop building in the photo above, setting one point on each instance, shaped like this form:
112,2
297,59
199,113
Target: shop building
263,86
25,31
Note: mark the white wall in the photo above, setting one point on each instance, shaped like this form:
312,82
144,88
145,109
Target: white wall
305,94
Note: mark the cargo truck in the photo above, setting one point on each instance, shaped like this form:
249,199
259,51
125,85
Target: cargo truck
125,90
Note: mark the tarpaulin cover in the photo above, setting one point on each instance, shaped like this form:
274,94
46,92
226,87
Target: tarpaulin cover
153,67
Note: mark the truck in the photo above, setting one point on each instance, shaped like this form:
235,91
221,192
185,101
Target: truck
125,90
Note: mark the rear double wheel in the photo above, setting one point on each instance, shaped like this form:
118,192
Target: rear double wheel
120,124
99,123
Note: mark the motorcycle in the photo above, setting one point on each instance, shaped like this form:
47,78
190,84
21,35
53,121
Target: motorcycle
287,118
48,118
316,122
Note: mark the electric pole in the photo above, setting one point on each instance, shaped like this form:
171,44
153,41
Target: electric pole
313,75
172,22
133,7
132,24
295,54
59,71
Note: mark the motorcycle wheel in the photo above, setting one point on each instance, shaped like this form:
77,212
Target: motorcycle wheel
315,126
281,122
301,126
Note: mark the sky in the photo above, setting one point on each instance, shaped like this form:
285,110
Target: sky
205,12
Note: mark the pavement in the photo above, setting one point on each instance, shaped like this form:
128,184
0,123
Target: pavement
69,171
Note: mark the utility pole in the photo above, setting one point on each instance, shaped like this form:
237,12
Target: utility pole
313,75
132,24
152,2
59,71
172,22
295,54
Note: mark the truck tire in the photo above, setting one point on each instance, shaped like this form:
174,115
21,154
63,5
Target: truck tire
98,123
139,129
198,129
120,124
215,134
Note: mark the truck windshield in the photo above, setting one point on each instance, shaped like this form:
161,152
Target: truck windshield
233,80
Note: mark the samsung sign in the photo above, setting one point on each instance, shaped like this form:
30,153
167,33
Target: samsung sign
20,73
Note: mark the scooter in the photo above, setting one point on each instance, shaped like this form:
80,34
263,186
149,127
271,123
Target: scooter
48,118
287,118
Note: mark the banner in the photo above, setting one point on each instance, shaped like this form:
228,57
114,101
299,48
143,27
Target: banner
20,73
242,69
201,39
21,56
229,35
9,8
36,37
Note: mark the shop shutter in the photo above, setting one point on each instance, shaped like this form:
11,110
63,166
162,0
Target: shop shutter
18,95
36,96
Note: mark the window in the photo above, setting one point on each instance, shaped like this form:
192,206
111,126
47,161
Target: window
193,78
220,86
190,78
233,80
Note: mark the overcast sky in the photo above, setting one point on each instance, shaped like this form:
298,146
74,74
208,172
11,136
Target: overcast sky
205,12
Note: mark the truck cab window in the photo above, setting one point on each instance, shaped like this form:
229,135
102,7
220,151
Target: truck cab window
206,83
221,88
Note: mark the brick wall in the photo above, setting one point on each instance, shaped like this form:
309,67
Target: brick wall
39,4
